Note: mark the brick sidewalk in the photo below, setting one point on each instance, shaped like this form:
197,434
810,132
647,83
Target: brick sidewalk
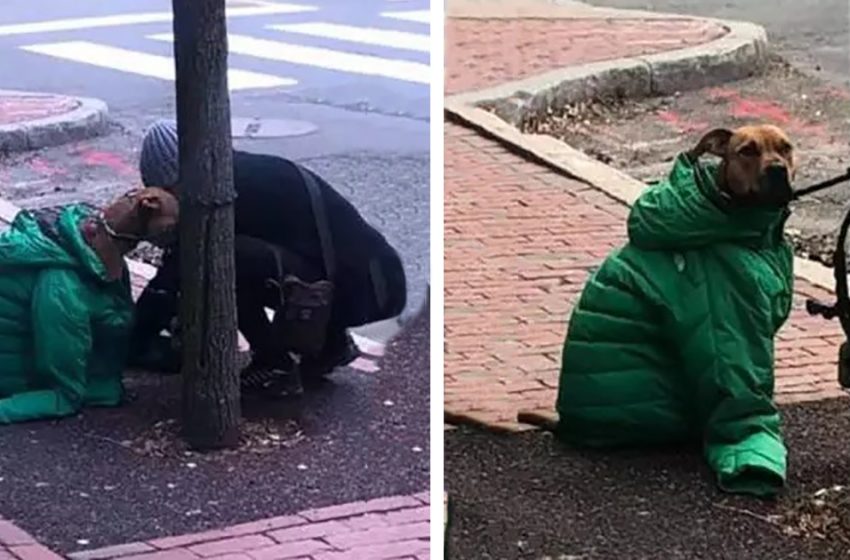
381,529
520,239
495,51
20,107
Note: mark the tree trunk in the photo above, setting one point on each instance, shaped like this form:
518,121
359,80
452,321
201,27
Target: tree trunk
211,407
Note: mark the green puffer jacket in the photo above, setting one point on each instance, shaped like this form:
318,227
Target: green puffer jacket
64,327
672,337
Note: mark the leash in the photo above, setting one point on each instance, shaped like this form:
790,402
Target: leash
823,185
840,309
100,219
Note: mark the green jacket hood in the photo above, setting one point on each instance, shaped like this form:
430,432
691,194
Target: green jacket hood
26,245
686,210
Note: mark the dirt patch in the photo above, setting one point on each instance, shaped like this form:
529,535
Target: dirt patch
643,137
823,515
163,440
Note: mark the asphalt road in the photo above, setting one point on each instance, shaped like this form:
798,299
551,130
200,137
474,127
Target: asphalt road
814,35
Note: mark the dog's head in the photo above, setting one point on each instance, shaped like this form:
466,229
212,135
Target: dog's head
149,214
758,163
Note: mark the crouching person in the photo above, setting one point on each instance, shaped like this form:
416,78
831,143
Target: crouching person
66,304
301,248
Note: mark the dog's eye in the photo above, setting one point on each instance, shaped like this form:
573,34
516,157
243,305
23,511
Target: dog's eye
785,148
749,150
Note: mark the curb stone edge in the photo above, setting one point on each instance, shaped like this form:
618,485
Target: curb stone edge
88,120
739,53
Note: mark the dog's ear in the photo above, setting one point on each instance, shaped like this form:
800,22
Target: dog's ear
149,203
714,142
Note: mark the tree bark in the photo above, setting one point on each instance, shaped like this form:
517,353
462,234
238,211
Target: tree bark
211,405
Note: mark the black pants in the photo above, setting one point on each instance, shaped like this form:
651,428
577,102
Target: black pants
255,264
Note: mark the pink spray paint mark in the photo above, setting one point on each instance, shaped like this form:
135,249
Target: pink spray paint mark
107,159
743,108
769,111
43,167
678,122
747,108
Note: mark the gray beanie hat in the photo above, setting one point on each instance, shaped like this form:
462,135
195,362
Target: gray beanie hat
159,162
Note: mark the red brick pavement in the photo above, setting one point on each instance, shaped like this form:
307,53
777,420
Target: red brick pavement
381,529
487,52
15,107
519,242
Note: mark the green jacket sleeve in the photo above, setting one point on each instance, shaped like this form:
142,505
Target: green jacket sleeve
62,342
729,356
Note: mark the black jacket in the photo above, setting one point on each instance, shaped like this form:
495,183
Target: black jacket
273,204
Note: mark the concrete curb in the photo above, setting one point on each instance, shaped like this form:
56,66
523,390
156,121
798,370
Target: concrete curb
741,52
86,121
733,56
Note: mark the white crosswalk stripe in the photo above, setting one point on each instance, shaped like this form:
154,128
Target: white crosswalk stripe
139,18
365,35
146,64
353,49
418,16
323,58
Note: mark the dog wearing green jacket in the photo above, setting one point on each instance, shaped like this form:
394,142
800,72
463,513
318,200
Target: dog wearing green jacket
66,306
672,339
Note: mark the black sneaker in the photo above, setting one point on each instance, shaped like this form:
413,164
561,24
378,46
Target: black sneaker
273,382
327,362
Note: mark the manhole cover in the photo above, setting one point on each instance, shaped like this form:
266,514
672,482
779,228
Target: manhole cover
270,128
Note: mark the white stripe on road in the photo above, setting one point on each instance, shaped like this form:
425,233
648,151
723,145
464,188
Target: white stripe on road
323,58
366,35
154,66
139,18
418,16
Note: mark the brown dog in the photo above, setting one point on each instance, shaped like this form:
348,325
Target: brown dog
139,215
757,163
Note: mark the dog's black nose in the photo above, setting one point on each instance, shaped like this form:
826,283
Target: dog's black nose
775,186
776,172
